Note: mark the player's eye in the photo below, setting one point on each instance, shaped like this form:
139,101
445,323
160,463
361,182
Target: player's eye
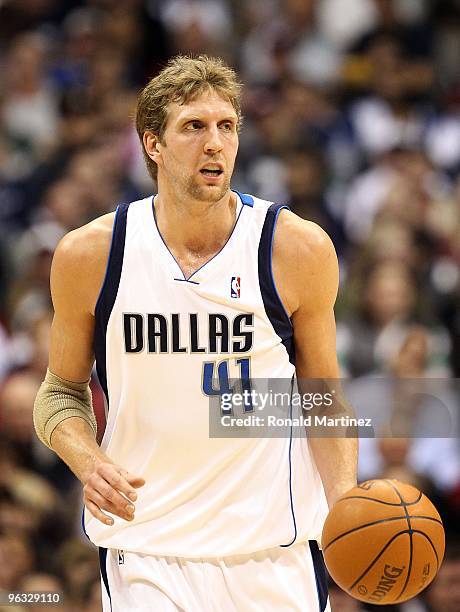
193,125
227,126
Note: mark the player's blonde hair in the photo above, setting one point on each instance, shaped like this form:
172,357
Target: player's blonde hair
183,79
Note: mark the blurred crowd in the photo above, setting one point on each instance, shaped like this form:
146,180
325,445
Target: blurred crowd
351,116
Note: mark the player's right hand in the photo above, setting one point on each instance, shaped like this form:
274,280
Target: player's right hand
111,488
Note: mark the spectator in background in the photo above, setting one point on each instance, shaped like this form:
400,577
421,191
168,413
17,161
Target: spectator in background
394,453
29,296
386,307
195,25
402,181
17,394
65,206
16,403
93,597
28,109
79,566
47,583
16,560
443,595
409,405
290,44
341,601
43,587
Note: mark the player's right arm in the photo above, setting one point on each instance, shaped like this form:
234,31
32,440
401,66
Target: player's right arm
77,275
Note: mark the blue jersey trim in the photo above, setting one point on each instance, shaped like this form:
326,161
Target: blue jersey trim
101,296
108,294
103,565
83,522
320,574
245,198
273,305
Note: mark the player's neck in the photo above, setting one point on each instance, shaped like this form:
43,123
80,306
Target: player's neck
194,225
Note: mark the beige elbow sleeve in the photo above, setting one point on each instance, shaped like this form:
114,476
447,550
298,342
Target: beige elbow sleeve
60,399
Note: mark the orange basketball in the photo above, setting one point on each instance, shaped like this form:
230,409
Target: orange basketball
383,542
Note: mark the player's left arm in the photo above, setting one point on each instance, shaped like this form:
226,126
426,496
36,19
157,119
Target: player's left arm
306,274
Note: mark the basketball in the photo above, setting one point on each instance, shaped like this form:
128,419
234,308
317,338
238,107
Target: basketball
383,542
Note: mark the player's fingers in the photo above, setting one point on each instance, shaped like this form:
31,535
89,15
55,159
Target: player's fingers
110,494
97,513
126,512
127,483
135,481
115,476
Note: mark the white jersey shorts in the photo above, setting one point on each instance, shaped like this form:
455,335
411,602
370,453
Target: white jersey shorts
291,579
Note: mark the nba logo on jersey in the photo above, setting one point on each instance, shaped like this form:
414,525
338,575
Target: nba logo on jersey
121,557
235,287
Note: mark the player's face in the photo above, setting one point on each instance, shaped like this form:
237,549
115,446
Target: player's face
197,155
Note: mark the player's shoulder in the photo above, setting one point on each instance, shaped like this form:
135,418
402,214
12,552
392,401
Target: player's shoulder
290,224
90,242
79,264
80,261
298,238
304,262
295,237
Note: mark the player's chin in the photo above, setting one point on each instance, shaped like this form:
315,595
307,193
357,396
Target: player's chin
214,195
215,184
213,192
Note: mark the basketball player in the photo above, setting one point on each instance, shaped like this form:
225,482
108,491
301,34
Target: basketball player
174,295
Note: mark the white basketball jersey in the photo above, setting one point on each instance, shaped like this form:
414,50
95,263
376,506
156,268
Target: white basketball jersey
161,341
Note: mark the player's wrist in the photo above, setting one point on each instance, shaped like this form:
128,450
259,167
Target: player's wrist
92,466
338,490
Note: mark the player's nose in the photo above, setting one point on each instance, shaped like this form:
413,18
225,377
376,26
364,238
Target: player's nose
213,141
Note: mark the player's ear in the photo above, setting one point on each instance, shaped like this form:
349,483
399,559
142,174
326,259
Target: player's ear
152,145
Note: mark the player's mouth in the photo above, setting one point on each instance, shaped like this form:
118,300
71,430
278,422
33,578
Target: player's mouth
212,171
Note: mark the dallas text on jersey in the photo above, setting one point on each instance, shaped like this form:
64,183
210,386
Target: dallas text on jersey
158,333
